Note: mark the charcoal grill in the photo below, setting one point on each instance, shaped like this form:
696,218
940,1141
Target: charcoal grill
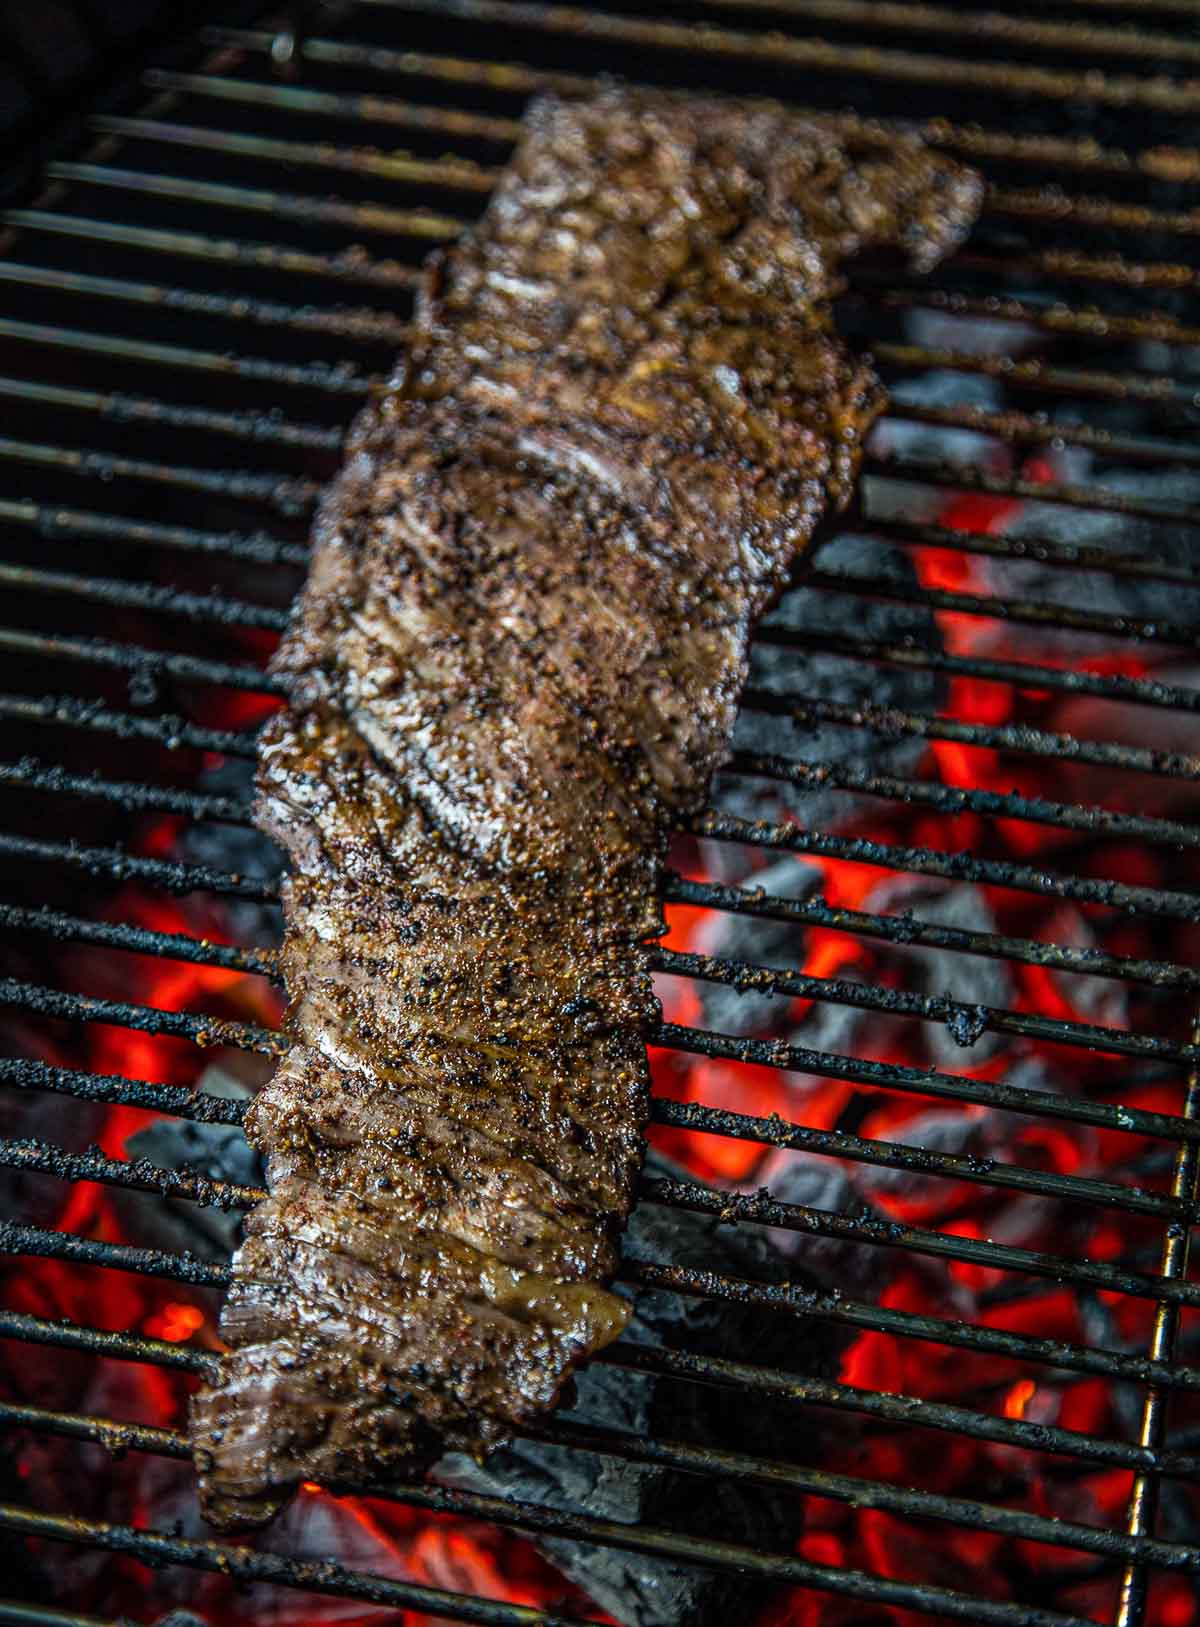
197,300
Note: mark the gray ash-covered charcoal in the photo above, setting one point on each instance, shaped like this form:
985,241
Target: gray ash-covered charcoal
641,1591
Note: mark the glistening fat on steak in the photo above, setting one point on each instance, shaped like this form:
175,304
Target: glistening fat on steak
515,665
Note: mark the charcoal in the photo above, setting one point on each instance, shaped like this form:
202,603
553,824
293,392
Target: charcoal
860,1270
763,943
216,1151
969,980
813,674
1096,590
239,848
895,436
638,1590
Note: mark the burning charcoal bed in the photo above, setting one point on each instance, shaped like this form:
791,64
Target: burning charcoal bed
916,1330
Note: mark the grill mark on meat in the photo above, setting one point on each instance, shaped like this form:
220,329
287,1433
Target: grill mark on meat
515,665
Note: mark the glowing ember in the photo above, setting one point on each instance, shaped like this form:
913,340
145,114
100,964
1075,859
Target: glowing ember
401,1542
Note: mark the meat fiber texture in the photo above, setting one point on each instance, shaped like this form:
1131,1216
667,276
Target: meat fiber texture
515,666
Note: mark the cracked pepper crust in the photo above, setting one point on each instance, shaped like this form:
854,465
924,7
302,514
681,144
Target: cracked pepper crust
515,665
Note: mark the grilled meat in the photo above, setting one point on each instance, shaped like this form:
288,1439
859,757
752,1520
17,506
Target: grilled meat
515,665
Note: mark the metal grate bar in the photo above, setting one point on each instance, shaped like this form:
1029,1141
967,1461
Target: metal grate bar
141,1175
137,940
135,1175
907,929
537,1519
324,1577
352,265
1142,1507
144,664
764,1210
203,607
902,1410
288,494
342,381
947,799
205,1030
780,1132
1087,156
117,865
441,121
1038,376
17,1613
902,930
832,1307
454,173
1020,429
966,1020
1076,210
1092,324
895,723
1023,674
953,799
69,1246
688,1115
827,1307
522,79
1073,266
706,1461
712,1371
966,478
135,1347
25,1074
969,1020
819,56
737,1376
345,380
457,173
327,1577
373,217
355,266
931,1082
366,326
77,712
1022,32
134,409
36,775
54,521
1045,550
921,861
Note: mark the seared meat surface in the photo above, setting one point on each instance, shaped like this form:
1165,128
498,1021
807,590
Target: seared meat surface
514,667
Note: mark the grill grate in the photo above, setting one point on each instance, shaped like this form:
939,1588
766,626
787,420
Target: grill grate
167,191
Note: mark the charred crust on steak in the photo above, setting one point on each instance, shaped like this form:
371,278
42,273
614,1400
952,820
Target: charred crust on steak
514,667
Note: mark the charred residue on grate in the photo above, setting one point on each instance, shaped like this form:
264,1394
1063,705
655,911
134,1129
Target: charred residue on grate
931,972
